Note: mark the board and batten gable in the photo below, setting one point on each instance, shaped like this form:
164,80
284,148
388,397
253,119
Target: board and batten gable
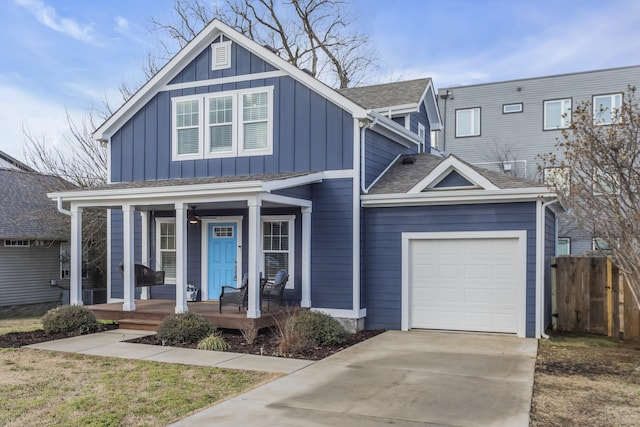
380,153
310,133
522,133
383,228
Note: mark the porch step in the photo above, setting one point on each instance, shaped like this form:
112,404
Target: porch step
139,324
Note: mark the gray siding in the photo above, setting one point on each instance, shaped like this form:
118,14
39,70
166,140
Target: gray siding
26,273
332,244
522,132
383,258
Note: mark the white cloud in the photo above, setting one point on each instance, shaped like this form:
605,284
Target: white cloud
41,117
47,16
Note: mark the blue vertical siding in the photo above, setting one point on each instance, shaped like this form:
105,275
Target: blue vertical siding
117,250
383,258
380,152
309,134
332,245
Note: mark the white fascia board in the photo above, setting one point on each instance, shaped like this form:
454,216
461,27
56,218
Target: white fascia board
396,132
435,123
449,164
398,110
190,51
292,182
455,197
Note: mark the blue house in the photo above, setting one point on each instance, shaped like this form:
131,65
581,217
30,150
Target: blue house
231,161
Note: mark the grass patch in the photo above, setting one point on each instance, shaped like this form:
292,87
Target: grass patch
49,388
21,324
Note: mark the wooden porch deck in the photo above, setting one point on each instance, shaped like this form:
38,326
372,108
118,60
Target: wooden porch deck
149,313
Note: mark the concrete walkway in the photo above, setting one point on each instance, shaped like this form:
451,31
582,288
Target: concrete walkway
399,378
110,344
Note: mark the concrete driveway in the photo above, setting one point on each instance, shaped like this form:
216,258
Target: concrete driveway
399,378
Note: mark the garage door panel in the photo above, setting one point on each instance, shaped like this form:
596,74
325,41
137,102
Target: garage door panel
467,284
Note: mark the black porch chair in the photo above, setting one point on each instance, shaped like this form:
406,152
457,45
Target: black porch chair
273,291
233,295
144,276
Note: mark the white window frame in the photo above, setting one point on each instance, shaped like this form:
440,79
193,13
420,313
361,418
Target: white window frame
238,149
422,133
291,220
226,48
473,122
612,97
595,245
159,266
564,111
509,108
65,261
568,242
557,175
17,243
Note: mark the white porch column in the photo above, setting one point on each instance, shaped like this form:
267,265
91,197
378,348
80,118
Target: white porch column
181,258
75,275
128,229
144,215
255,248
306,258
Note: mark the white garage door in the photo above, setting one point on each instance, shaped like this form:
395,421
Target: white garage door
465,284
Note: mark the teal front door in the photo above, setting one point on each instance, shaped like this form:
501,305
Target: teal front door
223,250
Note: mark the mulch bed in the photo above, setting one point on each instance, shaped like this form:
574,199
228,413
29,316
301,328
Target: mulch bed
266,344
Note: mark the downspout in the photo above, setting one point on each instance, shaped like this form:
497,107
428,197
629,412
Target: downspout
540,259
363,155
61,209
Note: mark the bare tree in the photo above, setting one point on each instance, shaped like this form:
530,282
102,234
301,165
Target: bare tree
317,35
506,160
599,178
82,163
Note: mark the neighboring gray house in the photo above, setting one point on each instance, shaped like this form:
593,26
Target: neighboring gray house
31,232
505,125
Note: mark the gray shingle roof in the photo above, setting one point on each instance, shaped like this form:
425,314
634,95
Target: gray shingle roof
387,95
193,181
25,210
401,178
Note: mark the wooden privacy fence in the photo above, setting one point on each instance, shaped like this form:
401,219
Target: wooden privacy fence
591,296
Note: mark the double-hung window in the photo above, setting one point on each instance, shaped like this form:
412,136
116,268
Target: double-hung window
223,124
606,108
468,122
557,114
166,248
278,246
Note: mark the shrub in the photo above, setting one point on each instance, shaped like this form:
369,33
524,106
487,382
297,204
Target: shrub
70,319
214,342
319,328
184,328
250,334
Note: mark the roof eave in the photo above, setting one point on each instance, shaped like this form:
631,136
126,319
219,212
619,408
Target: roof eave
457,197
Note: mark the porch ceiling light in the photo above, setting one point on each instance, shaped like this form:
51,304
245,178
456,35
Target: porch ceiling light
192,218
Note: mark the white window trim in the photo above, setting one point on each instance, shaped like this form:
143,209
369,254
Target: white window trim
458,134
611,97
562,112
566,239
237,125
174,128
422,133
291,219
505,107
226,45
167,280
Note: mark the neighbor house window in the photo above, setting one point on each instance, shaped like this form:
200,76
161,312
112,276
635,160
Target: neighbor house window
65,261
17,243
512,108
166,248
468,122
598,243
606,108
605,181
563,246
557,114
558,178
278,246
238,123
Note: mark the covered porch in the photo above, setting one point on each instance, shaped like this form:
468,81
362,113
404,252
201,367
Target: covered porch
244,201
149,314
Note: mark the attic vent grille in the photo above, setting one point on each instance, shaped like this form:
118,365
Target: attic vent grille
221,55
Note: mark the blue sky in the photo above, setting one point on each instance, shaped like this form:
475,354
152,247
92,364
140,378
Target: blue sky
62,56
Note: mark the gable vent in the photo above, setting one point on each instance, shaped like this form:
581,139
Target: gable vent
221,55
